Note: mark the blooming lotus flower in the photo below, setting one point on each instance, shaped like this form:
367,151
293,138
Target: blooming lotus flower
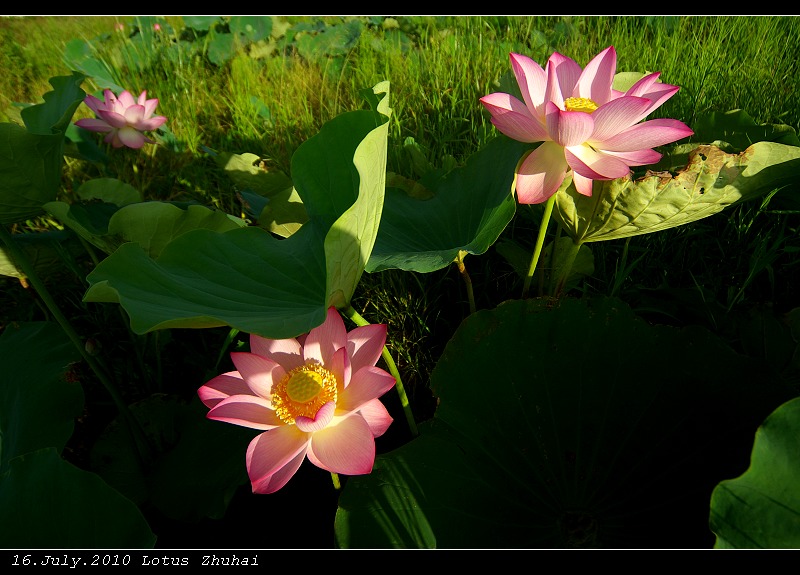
123,118
316,396
586,127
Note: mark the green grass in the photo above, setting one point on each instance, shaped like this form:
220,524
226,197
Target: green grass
270,98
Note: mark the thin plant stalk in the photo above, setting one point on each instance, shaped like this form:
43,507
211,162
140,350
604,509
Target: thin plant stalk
20,258
537,250
462,268
356,318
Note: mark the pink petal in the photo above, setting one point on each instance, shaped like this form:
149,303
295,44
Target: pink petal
259,372
287,352
656,92
132,137
595,165
94,125
134,114
93,103
648,134
346,446
532,81
151,123
377,417
324,340
272,483
617,115
637,158
126,99
541,174
247,411
512,117
583,185
562,76
142,98
597,77
365,345
568,128
275,453
320,420
222,387
368,383
340,367
113,118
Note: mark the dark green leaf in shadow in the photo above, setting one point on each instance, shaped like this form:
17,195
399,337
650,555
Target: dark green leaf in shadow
198,465
38,405
46,251
760,509
470,208
48,503
31,159
578,425
740,131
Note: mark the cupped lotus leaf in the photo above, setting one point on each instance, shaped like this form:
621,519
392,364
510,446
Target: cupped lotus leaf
31,157
470,208
49,503
247,278
562,425
37,406
711,181
760,509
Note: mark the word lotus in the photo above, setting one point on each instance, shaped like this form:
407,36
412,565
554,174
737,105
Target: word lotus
314,396
587,128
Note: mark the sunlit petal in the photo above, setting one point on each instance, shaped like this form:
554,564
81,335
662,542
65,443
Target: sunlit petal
367,384
377,416
532,81
541,174
272,451
222,387
247,411
648,134
323,341
595,165
596,78
365,345
511,116
259,372
347,446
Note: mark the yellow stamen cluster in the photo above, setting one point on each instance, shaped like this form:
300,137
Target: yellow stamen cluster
302,391
580,105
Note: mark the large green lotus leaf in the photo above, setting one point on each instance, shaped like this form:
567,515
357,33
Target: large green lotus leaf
470,208
38,406
761,508
566,424
31,156
250,280
197,463
48,503
109,190
711,181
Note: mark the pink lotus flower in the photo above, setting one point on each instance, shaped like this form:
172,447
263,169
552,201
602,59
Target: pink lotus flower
123,118
587,128
314,396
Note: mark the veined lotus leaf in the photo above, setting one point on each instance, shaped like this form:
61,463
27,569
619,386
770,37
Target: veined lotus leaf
711,181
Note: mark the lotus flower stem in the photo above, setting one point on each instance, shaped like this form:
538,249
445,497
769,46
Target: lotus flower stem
467,281
537,250
356,318
144,449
